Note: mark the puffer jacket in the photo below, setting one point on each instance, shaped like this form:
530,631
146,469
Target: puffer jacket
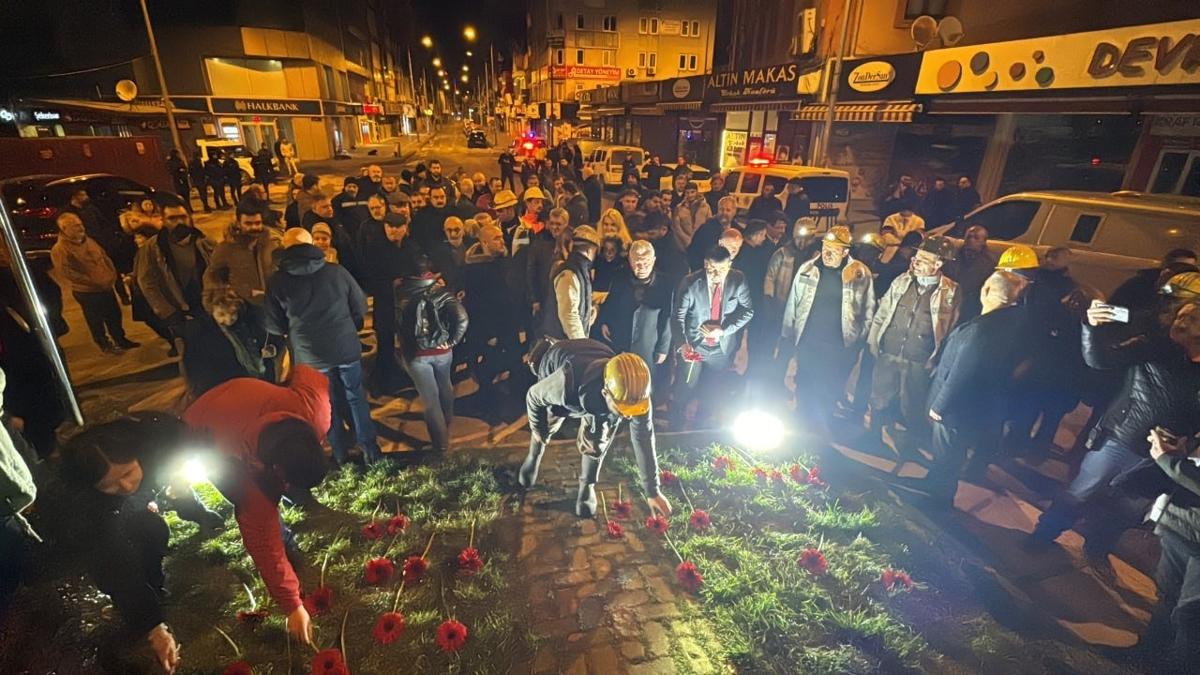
858,300
945,304
318,306
1179,511
1159,389
448,308
244,261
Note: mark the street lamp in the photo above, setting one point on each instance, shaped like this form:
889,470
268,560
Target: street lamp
427,42
469,33
441,73
466,68
446,86
470,53
464,78
437,62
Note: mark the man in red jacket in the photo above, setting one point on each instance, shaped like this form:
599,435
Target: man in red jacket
269,438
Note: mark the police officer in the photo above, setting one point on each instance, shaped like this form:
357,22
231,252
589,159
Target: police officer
585,380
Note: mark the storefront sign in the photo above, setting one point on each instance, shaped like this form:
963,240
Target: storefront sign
882,78
372,109
672,26
1155,54
1175,125
193,103
336,108
586,73
266,106
770,82
639,92
46,115
682,89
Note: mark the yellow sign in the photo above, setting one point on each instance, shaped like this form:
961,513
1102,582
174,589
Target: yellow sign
872,76
1155,54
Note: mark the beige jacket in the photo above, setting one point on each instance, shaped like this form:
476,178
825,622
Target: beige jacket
945,303
688,218
85,267
858,300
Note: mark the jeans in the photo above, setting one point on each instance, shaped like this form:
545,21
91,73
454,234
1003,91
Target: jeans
100,311
1098,469
431,375
346,393
1176,618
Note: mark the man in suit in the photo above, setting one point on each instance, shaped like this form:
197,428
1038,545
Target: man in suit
712,306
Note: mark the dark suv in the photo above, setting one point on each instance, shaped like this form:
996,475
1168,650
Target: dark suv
35,201
477,139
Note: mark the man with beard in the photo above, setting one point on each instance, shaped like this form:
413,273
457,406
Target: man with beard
707,235
387,253
636,317
349,208
170,269
825,318
372,183
427,223
973,265
435,179
568,312
244,259
716,191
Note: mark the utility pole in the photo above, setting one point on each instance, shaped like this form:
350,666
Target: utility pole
835,77
412,83
162,83
495,87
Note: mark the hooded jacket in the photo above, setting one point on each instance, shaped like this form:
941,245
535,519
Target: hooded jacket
858,300
944,304
84,266
234,414
154,268
245,261
318,306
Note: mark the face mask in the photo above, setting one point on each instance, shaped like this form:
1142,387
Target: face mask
926,281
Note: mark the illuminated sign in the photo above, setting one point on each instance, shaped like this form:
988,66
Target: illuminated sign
872,76
46,116
250,106
769,82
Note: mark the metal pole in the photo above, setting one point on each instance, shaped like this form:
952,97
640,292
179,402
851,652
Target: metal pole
162,83
41,325
495,88
412,83
835,76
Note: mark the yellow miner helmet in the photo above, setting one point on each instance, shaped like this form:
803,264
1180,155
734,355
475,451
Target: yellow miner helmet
627,381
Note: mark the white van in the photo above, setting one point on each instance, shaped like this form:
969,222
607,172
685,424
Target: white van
1112,235
608,162
828,190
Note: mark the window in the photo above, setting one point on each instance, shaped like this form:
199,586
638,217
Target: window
654,26
653,60
607,57
690,29
1085,228
558,57
1005,221
683,61
641,59
610,24
558,21
695,29
643,25
909,10
579,21
693,62
751,184
579,57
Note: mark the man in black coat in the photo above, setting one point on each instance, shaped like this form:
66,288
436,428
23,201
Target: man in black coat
593,190
386,253
577,205
178,170
233,177
765,204
937,208
636,317
970,382
708,234
199,180
214,175
492,342
320,308
539,259
712,306
428,223
350,209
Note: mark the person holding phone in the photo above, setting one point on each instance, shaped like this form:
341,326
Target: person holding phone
1162,378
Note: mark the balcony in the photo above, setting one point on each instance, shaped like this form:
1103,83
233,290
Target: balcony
595,38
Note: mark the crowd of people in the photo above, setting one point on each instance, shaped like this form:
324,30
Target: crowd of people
670,302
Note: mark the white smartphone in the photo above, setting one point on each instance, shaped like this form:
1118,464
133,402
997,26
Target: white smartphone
1120,314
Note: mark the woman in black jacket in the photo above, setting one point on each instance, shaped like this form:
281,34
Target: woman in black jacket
430,322
121,476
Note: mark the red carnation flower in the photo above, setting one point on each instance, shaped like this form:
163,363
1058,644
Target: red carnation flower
667,478
378,571
760,473
657,524
615,531
722,465
896,580
814,561
700,520
253,618
329,662
888,578
238,668
388,628
814,477
372,531
451,636
397,523
776,476
469,560
799,475
414,568
319,601
689,577
623,510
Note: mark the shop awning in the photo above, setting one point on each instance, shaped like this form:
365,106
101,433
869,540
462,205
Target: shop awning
859,112
604,111
679,105
754,105
646,110
115,107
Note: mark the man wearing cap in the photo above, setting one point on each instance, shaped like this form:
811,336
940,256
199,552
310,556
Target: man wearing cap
914,316
825,317
712,306
585,380
568,312
532,222
320,309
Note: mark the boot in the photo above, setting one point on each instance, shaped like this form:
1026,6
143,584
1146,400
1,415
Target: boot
589,471
527,476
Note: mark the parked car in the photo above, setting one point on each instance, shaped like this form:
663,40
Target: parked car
1112,235
34,203
608,162
828,190
240,152
477,139
701,176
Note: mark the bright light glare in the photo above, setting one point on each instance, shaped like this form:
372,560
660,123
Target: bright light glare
469,32
427,41
759,431
194,471
437,63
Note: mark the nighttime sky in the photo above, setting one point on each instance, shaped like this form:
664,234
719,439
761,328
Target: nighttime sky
501,23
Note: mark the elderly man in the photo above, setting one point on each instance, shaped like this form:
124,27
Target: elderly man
540,258
973,265
636,317
372,183
465,206
732,240
825,318
913,318
569,312
712,306
90,273
709,233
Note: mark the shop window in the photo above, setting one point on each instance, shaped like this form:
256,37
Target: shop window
1005,221
1085,228
1069,152
751,184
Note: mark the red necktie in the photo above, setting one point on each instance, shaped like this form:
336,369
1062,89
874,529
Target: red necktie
714,313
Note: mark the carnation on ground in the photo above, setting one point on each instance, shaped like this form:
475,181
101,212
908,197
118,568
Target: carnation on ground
451,636
388,628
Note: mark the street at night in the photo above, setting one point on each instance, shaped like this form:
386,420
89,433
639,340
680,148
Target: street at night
600,337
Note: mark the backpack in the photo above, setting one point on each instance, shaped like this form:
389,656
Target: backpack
430,330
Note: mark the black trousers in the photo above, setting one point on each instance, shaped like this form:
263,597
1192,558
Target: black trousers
821,372
101,312
383,316
218,188
184,191
1175,623
234,186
